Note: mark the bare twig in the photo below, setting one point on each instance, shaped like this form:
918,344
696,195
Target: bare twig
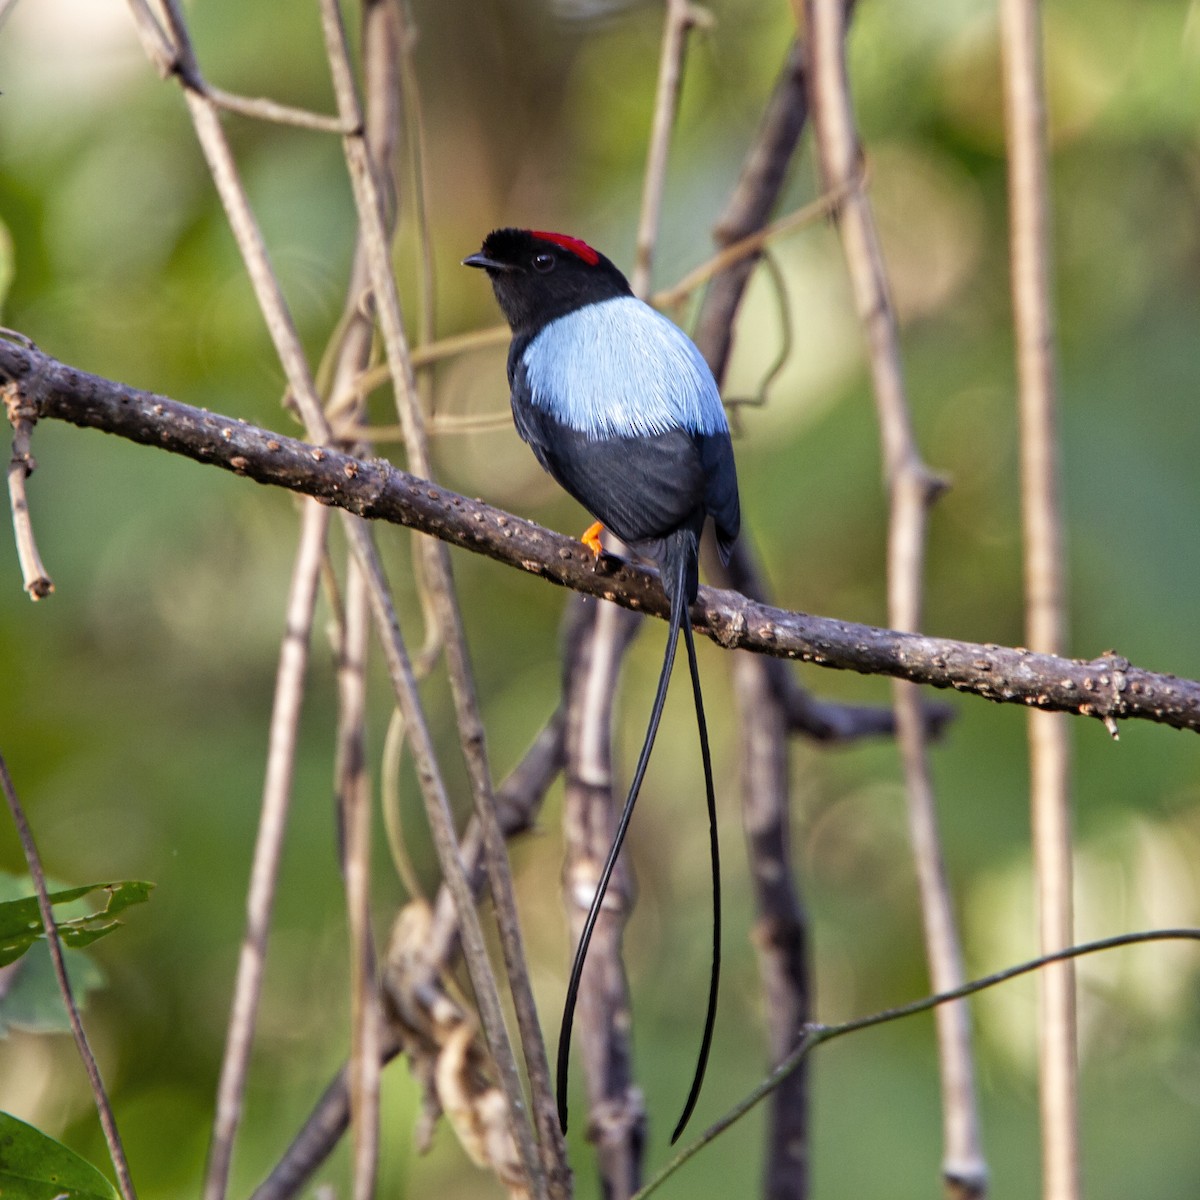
518,800
441,821
354,792
912,489
33,860
325,1127
21,465
817,1034
262,109
1108,687
351,351
1045,584
678,22
242,222
780,932
751,204
158,47
277,790
365,183
414,119
763,685
300,381
750,246
595,639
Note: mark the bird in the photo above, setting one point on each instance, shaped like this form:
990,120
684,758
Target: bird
619,406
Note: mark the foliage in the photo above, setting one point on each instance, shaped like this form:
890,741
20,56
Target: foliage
36,1167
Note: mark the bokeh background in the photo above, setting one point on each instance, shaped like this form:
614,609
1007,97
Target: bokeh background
134,703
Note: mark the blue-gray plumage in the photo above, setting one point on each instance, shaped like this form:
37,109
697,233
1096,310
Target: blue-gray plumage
621,369
620,407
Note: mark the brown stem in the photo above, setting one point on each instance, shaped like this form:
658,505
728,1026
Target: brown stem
21,465
912,489
518,800
596,637
268,846
364,176
33,860
763,685
780,932
353,785
1107,687
1045,580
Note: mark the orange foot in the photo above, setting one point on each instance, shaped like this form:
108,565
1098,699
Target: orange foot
591,538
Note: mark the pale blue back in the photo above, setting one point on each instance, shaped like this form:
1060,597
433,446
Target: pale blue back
620,369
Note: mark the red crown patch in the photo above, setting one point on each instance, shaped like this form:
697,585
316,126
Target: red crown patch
577,247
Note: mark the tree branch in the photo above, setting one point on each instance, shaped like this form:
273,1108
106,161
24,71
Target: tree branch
912,489
1043,541
1107,687
766,687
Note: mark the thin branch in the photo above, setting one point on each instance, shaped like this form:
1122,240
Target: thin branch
414,118
817,1034
349,353
518,801
678,22
750,206
1045,582
912,490
262,109
762,685
325,1127
268,847
595,639
354,791
750,246
441,820
246,230
1105,687
21,465
153,37
554,1172
780,933
108,1123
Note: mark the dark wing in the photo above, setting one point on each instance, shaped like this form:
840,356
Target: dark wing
721,489
642,488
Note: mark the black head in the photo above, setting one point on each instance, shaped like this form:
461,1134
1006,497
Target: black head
538,276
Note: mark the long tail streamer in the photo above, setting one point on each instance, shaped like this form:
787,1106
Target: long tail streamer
679,619
714,854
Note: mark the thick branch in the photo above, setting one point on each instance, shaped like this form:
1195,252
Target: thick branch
1105,687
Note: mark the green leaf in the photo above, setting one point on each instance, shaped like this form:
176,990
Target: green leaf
36,1167
30,999
21,921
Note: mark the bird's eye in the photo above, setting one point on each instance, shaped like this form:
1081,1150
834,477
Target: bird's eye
543,263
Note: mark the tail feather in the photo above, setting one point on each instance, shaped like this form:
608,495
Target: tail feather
680,582
675,590
714,855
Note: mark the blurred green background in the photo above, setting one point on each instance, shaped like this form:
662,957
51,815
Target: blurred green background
134,703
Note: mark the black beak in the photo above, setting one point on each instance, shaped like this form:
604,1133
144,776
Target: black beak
482,260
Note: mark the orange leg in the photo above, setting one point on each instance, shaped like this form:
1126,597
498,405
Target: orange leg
591,538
